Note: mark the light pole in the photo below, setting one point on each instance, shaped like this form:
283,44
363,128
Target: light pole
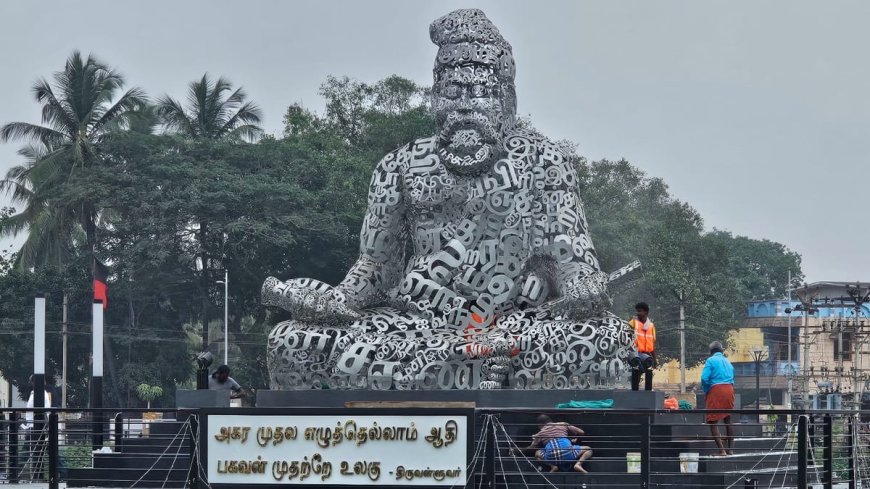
226,282
757,353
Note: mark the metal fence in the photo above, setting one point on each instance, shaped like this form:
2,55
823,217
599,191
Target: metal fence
670,449
629,449
96,448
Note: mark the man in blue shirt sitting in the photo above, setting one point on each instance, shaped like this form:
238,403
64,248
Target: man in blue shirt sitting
717,380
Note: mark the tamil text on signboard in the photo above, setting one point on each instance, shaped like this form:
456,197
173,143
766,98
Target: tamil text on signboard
351,449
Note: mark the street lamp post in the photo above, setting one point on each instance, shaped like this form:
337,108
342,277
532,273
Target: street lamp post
226,282
757,353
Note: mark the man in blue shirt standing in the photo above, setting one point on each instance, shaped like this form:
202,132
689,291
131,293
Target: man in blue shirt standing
717,380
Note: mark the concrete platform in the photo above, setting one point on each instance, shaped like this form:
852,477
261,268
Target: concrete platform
507,398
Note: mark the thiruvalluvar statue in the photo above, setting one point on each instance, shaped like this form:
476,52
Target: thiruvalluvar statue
476,268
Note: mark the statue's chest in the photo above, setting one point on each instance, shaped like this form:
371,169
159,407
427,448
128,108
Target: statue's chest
488,206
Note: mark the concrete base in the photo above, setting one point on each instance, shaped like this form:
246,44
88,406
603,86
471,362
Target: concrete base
507,398
202,398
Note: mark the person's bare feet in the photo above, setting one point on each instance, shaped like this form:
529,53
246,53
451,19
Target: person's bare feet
730,452
579,468
723,453
554,469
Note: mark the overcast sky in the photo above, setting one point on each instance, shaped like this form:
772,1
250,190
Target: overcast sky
755,113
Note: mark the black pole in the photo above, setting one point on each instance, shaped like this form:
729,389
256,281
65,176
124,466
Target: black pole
853,454
12,443
645,453
119,432
802,453
489,455
757,357
38,403
193,475
53,479
96,415
828,455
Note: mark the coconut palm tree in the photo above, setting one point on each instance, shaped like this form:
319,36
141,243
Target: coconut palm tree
214,112
52,231
78,112
210,114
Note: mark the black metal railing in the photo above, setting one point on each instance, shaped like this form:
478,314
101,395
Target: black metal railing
649,449
96,447
629,448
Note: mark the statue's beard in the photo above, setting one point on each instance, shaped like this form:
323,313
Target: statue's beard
468,142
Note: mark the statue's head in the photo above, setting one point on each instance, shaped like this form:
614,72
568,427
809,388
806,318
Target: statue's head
473,95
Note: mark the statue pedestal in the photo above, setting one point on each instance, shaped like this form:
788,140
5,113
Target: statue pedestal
202,398
506,398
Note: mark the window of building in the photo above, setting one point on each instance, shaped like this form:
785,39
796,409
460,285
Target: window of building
847,346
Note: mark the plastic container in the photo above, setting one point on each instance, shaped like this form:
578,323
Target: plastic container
632,460
689,463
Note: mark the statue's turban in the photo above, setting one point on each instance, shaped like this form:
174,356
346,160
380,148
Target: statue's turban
466,36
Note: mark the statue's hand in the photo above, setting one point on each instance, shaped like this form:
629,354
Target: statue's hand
583,297
309,300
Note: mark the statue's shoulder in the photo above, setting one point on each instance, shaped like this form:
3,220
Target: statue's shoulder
523,143
402,157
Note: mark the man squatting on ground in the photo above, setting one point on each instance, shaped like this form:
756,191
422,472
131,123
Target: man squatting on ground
557,448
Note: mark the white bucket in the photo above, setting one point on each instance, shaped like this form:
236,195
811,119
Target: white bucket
632,460
689,463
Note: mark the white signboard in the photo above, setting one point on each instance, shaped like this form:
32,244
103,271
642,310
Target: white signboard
347,449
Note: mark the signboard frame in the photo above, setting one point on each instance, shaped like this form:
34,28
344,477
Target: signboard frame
206,413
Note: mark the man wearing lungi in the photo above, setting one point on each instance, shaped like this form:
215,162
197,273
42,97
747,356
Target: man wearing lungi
557,447
717,380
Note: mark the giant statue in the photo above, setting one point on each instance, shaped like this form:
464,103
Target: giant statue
476,268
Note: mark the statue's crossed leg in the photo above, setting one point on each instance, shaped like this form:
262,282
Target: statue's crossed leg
389,349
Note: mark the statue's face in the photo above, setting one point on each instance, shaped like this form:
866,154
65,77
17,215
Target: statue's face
468,105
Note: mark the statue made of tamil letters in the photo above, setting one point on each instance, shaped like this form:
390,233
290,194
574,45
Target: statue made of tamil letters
476,268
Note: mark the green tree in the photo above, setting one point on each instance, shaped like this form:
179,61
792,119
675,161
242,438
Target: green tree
214,112
633,216
78,112
18,288
51,230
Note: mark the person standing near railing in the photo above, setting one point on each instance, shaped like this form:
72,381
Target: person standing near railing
645,343
717,380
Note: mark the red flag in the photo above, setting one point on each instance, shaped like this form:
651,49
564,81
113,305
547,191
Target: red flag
101,278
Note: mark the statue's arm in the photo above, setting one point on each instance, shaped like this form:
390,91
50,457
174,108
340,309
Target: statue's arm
580,283
382,239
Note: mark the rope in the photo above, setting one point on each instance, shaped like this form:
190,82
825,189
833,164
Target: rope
172,466
513,443
156,461
784,438
779,462
477,449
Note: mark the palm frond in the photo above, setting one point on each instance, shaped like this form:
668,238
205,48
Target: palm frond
247,115
54,112
173,116
14,131
247,132
134,99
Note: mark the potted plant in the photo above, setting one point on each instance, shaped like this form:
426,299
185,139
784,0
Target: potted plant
148,393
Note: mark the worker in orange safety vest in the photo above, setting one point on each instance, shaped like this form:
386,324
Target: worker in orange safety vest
645,342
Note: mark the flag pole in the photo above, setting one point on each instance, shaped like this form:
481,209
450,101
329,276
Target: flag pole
97,374
39,362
